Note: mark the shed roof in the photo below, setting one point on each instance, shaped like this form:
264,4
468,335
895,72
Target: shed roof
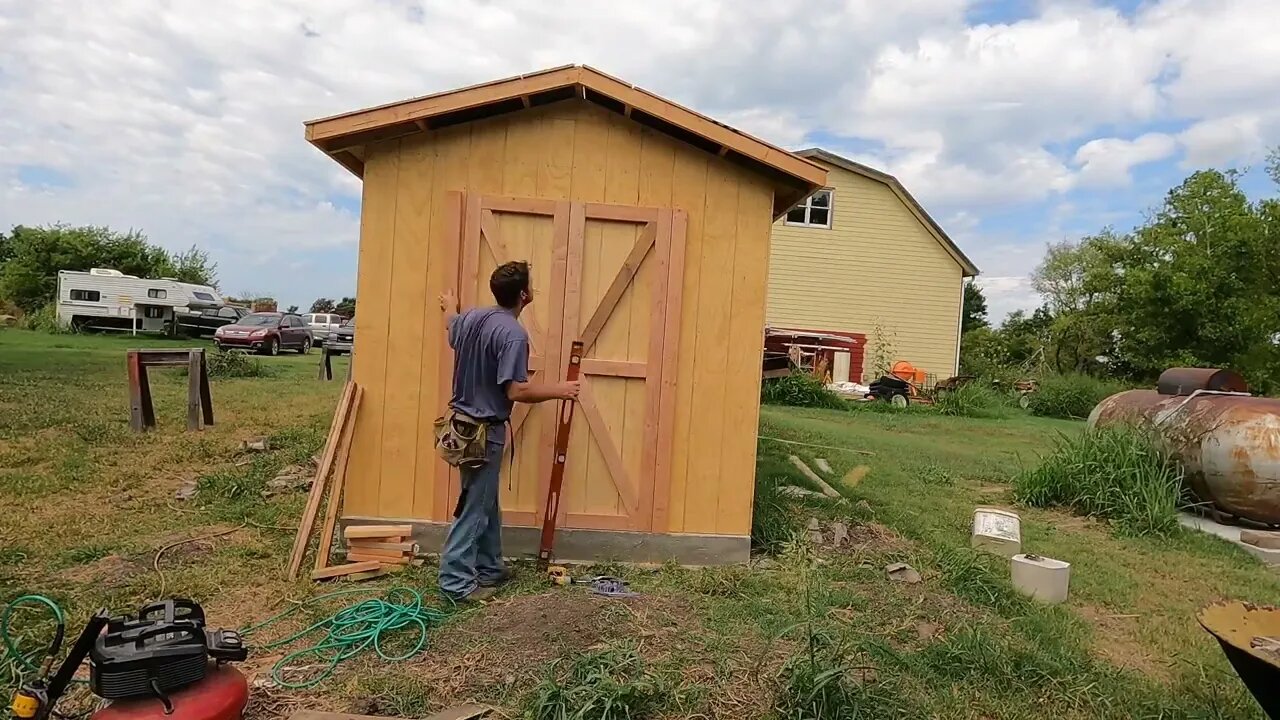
343,136
904,195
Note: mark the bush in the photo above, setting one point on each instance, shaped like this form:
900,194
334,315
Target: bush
605,684
45,319
223,364
1070,396
1116,472
973,399
799,390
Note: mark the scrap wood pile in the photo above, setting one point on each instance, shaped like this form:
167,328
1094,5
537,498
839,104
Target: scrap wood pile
382,544
372,550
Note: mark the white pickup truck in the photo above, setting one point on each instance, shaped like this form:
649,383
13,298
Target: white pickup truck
322,325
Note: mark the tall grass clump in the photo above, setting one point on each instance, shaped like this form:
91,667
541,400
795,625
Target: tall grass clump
607,684
1070,396
44,320
799,390
223,364
973,400
1117,472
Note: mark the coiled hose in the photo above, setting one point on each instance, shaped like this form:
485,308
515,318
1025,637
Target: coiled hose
353,630
13,655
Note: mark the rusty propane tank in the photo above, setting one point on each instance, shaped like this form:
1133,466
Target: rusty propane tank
1228,444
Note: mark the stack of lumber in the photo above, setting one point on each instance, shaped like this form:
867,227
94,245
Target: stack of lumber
385,544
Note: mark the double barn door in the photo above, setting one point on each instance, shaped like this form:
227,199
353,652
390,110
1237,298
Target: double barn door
610,276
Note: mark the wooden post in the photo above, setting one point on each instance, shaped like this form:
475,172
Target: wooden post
326,364
144,386
193,391
206,395
134,368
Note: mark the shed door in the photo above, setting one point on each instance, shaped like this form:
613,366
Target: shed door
621,299
497,230
611,276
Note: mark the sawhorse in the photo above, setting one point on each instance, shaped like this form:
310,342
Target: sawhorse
142,413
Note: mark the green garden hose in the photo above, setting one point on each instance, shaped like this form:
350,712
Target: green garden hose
354,629
13,655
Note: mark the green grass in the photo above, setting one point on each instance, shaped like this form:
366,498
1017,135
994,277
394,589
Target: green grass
1118,473
821,633
1070,396
611,683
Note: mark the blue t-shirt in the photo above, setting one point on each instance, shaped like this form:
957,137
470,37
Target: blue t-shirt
490,349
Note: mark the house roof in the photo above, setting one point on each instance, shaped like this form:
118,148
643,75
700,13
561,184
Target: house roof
343,136
900,190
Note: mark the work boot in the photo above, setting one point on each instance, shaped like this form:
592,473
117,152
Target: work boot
495,581
479,595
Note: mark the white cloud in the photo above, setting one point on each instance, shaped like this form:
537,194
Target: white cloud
1222,140
1106,162
184,118
1007,293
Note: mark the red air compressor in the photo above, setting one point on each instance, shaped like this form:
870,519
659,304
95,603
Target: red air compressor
162,664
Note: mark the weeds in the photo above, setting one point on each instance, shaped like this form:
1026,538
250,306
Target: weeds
1069,396
223,364
973,400
1118,473
608,684
799,390
44,320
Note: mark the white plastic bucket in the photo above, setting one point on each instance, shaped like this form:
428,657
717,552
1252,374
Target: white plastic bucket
1040,578
996,531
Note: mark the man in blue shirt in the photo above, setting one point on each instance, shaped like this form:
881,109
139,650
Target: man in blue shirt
490,375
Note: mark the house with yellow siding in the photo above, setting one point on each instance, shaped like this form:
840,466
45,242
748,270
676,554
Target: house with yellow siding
863,253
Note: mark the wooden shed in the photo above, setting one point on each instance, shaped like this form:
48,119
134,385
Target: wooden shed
647,226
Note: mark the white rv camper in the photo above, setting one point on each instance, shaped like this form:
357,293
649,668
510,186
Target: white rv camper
109,299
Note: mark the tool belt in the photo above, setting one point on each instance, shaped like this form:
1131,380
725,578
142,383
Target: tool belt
461,440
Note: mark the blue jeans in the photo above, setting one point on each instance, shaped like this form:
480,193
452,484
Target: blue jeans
473,550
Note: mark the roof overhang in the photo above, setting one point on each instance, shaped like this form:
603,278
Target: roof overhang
343,136
970,270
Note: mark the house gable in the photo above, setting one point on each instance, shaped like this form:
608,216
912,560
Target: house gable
878,265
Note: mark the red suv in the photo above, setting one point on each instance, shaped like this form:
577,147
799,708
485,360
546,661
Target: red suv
265,332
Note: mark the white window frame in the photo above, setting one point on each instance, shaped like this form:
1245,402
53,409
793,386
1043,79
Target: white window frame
808,206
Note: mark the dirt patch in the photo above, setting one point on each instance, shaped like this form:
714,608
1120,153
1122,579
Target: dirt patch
505,648
876,539
110,572
1115,639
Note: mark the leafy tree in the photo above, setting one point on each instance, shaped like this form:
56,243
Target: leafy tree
1079,284
29,274
1196,283
322,305
974,313
346,307
1026,336
291,309
982,352
193,266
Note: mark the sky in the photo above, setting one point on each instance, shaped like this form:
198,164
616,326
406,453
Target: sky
1016,123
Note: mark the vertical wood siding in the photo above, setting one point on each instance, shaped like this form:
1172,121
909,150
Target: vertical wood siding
568,151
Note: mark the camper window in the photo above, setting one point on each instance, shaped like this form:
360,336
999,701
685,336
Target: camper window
202,295
154,312
154,293
86,295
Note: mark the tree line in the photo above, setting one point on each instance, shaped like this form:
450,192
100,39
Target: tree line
30,258
1195,284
